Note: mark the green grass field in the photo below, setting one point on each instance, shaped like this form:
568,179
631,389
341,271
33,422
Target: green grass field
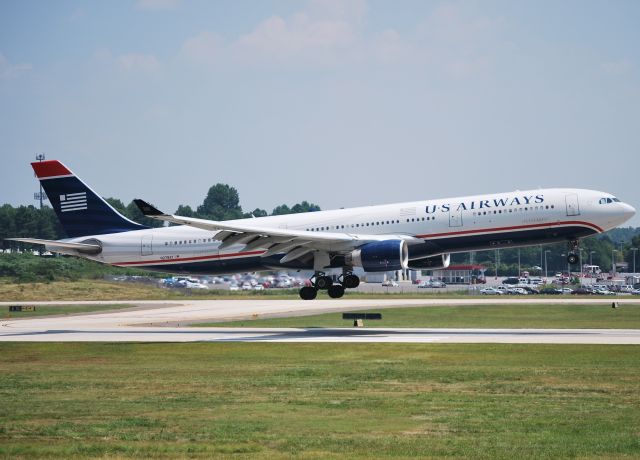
319,401
109,290
475,316
48,310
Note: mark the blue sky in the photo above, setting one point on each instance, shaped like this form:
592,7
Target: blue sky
342,103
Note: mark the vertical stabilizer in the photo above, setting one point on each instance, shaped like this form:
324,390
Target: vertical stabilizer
80,210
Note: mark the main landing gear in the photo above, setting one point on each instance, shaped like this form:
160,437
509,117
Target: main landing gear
320,281
572,257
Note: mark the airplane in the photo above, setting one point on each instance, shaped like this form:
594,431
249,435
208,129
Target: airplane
414,235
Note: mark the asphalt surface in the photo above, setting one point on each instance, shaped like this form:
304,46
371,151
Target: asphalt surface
165,321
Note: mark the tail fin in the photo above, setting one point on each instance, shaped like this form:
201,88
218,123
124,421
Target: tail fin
80,210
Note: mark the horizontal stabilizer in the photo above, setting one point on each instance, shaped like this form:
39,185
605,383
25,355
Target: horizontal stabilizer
84,248
147,209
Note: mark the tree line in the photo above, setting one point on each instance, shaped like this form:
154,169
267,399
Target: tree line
600,250
222,202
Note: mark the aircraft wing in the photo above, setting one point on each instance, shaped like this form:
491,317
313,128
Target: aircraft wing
85,248
294,243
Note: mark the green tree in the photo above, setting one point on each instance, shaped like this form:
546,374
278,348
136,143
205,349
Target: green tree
280,210
118,205
221,203
185,211
256,213
304,207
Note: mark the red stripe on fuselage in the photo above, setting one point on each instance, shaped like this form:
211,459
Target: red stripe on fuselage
433,235
49,168
189,259
515,227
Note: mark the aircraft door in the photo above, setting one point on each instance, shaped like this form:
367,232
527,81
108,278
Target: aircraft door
573,207
455,215
146,245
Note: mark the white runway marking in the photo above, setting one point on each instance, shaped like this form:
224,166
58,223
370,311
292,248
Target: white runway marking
145,325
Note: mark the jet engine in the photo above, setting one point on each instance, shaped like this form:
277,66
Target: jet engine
380,256
431,263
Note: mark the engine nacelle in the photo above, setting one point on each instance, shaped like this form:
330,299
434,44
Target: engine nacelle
431,263
380,256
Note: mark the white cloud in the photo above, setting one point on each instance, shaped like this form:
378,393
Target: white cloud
138,62
298,36
129,62
454,40
203,48
158,5
9,70
617,68
458,40
352,10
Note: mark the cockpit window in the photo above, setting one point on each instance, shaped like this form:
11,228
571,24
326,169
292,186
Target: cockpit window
615,200
608,200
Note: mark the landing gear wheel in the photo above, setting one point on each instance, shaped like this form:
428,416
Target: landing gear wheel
324,282
336,291
351,281
572,259
308,293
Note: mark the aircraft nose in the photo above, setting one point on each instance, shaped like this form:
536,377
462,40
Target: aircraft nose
628,210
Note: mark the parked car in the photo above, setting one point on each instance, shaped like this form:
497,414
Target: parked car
550,291
518,291
583,291
258,287
510,280
635,292
390,283
490,291
195,285
530,290
438,284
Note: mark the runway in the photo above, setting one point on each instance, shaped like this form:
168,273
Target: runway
156,321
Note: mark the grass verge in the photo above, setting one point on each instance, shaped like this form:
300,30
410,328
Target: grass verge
319,400
109,290
48,310
473,316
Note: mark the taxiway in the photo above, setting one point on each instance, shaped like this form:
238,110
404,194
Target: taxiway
165,321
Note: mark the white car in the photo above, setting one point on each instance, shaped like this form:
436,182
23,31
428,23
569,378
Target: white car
518,291
192,285
234,287
490,291
258,287
566,290
390,283
246,287
635,292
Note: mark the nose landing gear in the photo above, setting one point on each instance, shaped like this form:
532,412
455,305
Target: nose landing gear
572,257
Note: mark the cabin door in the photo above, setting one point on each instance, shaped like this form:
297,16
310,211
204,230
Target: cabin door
573,207
146,245
455,215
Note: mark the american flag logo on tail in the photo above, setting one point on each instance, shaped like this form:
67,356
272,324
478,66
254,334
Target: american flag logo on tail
73,202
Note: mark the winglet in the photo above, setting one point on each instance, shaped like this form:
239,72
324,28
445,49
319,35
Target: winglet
147,209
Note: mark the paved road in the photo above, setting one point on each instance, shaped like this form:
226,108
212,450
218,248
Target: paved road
163,321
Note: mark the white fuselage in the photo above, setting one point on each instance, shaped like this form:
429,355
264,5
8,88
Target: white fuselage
447,225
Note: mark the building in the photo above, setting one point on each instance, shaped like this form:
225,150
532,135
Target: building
460,274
